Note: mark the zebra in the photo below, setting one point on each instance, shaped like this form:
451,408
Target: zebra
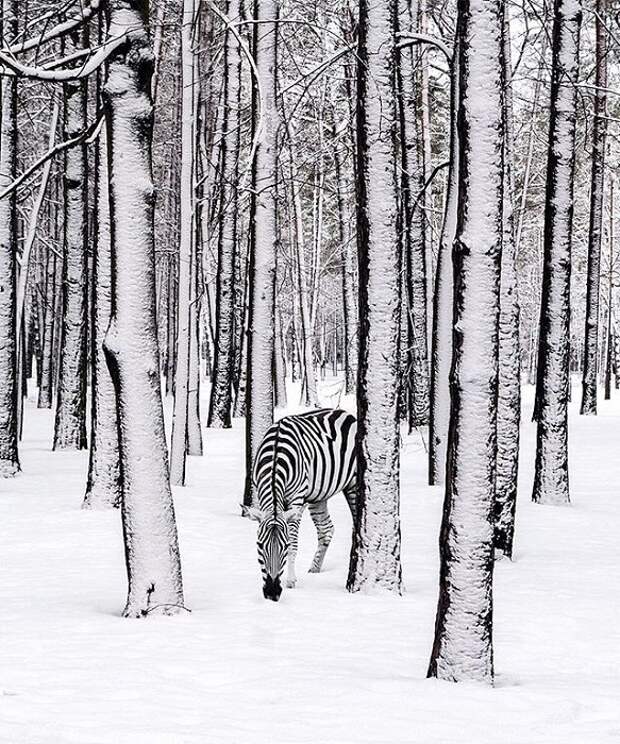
304,459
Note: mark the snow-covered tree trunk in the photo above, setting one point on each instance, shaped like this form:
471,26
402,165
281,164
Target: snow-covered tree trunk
103,486
462,650
44,399
224,358
441,359
375,554
552,384
414,229
9,392
70,423
261,322
149,527
595,235
509,395
178,448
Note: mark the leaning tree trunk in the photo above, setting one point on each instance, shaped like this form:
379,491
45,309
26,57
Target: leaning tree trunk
509,396
463,648
70,424
552,382
599,139
220,408
9,460
149,527
103,485
261,325
441,353
375,554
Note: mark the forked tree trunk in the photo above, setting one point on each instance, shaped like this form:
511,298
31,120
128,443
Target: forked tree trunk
9,459
70,424
463,650
103,486
595,235
509,396
375,554
552,383
149,527
441,360
261,325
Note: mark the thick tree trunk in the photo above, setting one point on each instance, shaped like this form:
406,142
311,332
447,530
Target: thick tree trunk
70,424
224,359
463,650
595,236
551,470
441,361
375,554
509,397
149,527
9,459
261,325
103,486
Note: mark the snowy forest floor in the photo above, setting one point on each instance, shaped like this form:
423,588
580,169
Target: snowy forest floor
321,666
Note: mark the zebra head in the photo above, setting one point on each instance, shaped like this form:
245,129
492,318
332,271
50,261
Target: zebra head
272,543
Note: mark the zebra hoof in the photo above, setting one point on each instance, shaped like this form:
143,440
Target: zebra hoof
290,583
314,569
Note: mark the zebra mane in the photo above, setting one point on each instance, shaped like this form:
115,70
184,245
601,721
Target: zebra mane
274,470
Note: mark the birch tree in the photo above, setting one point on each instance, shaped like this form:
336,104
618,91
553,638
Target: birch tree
462,649
375,554
552,382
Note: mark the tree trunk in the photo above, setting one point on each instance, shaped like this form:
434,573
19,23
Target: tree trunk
149,527
597,189
70,424
553,379
224,359
178,448
375,554
103,486
463,650
261,325
443,302
9,459
509,396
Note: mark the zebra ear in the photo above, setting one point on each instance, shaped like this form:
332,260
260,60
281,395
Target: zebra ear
251,512
292,515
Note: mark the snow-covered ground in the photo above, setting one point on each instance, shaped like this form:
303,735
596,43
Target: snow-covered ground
321,666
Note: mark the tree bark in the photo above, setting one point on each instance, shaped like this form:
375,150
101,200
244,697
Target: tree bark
463,649
509,396
375,554
595,236
552,382
149,527
261,326
9,391
70,424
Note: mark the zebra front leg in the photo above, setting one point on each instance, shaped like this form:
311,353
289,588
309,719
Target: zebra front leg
293,533
324,530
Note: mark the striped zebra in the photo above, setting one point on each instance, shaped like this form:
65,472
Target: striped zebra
302,461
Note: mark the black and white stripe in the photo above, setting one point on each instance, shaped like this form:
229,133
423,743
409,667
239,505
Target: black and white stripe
303,460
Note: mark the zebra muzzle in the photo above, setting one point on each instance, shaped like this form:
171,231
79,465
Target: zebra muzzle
272,589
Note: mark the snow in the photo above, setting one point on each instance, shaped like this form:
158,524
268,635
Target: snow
320,666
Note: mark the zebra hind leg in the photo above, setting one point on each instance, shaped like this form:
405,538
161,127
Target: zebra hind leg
350,494
293,534
324,530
